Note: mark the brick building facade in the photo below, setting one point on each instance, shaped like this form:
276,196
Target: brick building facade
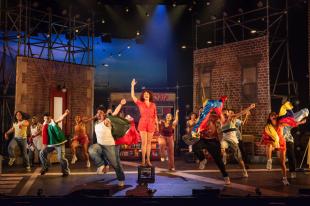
239,70
35,78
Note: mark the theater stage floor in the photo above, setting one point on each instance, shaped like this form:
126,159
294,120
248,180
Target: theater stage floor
15,182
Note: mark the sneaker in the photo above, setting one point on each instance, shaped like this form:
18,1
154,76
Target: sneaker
28,169
121,183
245,173
88,164
293,175
100,170
202,164
106,169
74,159
43,171
11,162
285,181
162,159
269,164
227,180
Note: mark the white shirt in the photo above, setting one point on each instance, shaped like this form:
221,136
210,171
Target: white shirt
37,141
104,134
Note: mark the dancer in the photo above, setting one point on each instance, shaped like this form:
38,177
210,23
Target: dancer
290,146
19,129
166,138
54,139
105,151
35,139
80,138
209,139
189,127
148,122
230,139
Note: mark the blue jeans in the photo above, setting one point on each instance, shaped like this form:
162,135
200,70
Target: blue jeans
22,144
101,153
60,155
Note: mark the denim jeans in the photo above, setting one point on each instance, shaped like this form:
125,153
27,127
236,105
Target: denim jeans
31,155
22,144
60,155
101,153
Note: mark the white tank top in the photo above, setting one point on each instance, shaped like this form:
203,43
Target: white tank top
37,141
104,134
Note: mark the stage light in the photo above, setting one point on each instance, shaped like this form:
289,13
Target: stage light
260,4
105,65
128,47
190,9
209,42
183,47
174,4
239,20
127,10
119,54
102,21
106,38
208,3
147,14
253,31
48,35
138,33
76,31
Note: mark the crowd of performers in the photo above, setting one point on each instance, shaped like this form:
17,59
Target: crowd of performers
214,130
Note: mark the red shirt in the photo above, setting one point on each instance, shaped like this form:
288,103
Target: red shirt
45,134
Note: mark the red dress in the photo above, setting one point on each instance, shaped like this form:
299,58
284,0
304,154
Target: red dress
132,136
148,115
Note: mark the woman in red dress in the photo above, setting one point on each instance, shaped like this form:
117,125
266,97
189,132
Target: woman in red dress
148,122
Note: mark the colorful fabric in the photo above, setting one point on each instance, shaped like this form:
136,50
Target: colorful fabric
20,130
286,115
131,137
55,135
81,139
120,126
274,136
210,105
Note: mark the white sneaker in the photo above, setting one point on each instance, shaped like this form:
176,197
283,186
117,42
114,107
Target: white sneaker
245,173
293,175
28,169
88,164
121,183
100,170
285,181
162,159
202,164
74,159
269,164
227,180
172,169
11,162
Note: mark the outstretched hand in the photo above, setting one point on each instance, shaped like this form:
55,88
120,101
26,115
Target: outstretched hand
123,101
252,106
133,82
67,111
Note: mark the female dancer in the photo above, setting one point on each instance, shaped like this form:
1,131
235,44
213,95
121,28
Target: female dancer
19,128
80,137
166,130
148,122
189,127
36,138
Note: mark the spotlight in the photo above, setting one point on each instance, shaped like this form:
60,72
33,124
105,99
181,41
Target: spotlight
147,14
128,47
208,3
209,42
253,31
119,54
106,38
127,10
239,21
105,65
183,47
102,21
76,31
138,33
260,4
174,4
190,9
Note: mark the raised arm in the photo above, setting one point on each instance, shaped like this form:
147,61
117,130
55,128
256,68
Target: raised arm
203,97
119,107
62,116
133,96
252,106
176,118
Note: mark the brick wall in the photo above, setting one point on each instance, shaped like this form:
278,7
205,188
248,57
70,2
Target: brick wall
35,78
225,63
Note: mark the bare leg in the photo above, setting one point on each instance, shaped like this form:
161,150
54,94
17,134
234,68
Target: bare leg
143,145
148,148
74,145
282,162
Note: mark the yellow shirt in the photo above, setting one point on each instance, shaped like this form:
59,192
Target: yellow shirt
20,130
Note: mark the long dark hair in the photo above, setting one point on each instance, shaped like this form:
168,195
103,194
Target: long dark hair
269,115
24,116
142,94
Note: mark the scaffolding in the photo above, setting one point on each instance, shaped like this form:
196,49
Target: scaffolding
25,31
268,19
